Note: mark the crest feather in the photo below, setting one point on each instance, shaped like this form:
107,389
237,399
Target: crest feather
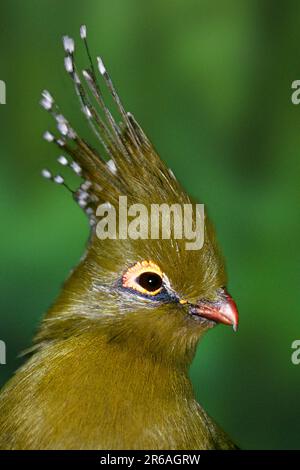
126,162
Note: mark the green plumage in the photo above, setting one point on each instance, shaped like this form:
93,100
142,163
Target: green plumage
109,367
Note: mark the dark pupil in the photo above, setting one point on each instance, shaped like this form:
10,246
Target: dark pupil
150,281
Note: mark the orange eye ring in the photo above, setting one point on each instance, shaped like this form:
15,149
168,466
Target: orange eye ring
131,277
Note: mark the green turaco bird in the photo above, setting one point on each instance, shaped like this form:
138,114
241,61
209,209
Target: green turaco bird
109,365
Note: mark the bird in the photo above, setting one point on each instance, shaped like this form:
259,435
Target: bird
109,365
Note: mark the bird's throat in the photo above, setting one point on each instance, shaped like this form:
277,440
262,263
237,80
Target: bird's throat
114,394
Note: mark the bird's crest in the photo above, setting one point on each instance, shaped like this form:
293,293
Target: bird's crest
126,163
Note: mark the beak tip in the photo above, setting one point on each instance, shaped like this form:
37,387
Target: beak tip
223,311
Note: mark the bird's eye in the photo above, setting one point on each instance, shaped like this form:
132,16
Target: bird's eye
145,277
150,281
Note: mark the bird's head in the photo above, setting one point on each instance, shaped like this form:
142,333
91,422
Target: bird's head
152,273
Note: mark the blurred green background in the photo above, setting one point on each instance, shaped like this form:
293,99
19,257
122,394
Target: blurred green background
211,84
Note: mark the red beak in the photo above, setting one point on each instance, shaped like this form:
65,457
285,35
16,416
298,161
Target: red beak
223,310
